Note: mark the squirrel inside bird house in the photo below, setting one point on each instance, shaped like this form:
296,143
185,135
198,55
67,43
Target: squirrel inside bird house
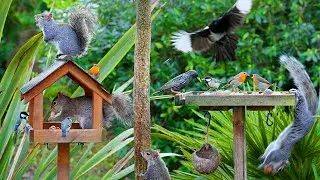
80,108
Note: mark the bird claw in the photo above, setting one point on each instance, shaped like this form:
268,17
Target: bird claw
175,92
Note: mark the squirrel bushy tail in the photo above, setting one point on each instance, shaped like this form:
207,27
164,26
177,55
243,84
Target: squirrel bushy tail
83,22
277,154
302,81
122,109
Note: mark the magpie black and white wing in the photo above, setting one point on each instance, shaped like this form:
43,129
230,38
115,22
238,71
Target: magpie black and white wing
198,41
234,18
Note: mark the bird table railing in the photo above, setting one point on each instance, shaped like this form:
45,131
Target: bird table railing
239,102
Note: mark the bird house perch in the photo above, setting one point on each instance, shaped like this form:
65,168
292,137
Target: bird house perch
32,92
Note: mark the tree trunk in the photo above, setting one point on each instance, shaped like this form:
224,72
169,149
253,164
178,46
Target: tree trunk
142,84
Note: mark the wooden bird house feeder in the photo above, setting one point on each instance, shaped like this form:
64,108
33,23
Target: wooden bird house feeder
239,102
32,92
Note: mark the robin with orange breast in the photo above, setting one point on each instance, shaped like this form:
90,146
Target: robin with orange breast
237,80
261,83
94,71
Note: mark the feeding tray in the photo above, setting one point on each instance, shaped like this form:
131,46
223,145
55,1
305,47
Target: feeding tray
76,134
230,99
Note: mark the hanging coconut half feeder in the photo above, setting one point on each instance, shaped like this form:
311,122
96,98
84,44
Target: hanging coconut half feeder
206,160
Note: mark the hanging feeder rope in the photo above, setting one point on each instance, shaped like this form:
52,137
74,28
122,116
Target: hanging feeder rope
268,121
208,116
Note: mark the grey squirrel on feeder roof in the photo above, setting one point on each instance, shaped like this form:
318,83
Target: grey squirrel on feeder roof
80,108
70,39
276,156
157,169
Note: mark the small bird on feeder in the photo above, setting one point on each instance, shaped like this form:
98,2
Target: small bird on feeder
237,80
211,82
94,71
66,126
261,83
178,83
217,35
21,122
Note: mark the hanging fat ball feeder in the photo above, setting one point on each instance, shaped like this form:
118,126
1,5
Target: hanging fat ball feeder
207,159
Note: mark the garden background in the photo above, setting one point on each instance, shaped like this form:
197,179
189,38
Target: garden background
271,29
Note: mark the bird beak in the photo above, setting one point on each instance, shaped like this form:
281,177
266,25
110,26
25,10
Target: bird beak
199,79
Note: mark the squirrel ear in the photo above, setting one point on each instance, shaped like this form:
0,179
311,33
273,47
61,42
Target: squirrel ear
60,94
156,155
49,16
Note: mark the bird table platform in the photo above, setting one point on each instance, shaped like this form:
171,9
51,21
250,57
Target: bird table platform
32,93
239,102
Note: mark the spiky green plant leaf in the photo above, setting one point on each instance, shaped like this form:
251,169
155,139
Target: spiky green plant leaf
4,9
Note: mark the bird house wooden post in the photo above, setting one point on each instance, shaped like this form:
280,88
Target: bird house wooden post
239,102
32,92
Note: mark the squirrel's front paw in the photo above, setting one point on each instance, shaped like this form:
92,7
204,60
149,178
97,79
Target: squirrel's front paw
140,174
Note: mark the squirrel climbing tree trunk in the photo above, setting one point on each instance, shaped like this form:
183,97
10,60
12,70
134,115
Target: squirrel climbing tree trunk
142,84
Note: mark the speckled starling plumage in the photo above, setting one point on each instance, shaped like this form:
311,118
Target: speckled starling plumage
178,83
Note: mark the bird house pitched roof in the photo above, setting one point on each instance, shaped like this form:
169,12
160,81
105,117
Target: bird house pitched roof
56,71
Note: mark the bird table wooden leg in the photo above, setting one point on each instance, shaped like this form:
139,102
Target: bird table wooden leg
239,144
63,161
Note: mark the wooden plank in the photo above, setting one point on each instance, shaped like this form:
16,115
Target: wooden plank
36,112
214,108
234,99
96,111
63,161
44,74
226,108
74,136
260,108
239,144
47,125
39,88
84,80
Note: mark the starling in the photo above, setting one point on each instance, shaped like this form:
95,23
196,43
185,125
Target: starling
178,83
260,82
212,83
65,126
217,35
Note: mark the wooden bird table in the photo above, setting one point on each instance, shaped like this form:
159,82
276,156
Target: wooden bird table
239,102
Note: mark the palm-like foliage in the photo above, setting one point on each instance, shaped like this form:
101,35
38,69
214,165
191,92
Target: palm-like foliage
15,165
304,162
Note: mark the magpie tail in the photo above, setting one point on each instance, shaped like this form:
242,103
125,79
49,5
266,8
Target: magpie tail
225,48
